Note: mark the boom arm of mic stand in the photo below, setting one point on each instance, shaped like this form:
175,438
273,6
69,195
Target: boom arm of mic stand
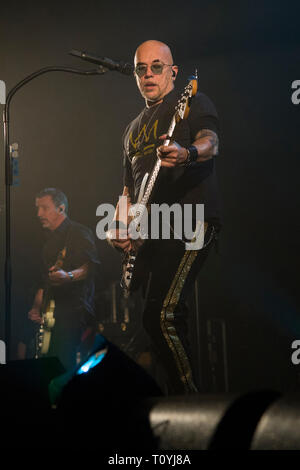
8,182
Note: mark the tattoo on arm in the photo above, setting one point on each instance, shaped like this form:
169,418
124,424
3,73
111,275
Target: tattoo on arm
212,137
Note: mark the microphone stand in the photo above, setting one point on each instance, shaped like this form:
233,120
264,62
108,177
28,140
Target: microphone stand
8,154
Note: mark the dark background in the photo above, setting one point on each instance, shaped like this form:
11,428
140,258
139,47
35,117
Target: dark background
69,131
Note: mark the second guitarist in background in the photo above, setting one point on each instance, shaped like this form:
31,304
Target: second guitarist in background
72,286
187,177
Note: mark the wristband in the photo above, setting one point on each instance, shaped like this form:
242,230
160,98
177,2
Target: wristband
192,154
71,275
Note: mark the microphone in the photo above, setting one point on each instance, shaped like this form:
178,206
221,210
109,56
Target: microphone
120,66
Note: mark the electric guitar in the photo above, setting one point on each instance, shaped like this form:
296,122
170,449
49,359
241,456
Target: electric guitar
43,335
132,264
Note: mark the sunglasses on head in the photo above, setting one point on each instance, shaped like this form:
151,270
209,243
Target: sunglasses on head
156,68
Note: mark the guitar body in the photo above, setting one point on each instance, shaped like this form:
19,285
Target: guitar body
48,322
135,267
43,336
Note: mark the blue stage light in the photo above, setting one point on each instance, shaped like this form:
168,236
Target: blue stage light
92,362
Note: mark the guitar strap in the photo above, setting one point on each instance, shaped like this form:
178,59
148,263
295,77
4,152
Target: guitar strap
60,257
63,252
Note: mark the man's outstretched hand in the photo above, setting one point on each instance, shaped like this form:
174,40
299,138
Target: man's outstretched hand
171,155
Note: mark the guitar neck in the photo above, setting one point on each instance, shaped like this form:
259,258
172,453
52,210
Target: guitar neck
47,295
170,130
155,171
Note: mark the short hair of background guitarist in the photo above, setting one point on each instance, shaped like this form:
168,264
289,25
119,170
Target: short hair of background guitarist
58,197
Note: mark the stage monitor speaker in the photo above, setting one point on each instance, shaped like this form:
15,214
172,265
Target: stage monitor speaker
25,408
237,426
187,422
207,422
29,378
279,428
102,396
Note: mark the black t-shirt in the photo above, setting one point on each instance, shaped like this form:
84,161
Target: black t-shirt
194,184
80,249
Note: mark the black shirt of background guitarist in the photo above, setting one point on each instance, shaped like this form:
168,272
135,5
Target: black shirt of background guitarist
80,249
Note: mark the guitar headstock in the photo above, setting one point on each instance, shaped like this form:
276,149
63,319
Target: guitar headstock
184,102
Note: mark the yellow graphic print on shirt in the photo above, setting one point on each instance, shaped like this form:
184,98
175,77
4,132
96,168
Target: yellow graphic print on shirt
140,142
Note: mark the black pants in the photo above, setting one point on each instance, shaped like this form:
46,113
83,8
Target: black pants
72,335
173,273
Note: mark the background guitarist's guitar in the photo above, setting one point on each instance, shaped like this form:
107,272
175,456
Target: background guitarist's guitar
43,335
132,262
